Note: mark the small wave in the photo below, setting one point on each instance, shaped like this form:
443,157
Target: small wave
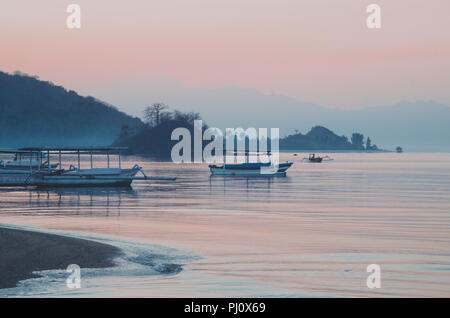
137,261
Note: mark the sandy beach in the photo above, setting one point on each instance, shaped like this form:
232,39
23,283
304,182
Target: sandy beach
23,252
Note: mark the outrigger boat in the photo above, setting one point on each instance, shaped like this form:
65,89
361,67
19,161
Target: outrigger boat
313,158
46,174
251,168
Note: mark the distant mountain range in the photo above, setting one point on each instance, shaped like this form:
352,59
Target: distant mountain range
414,125
34,112
37,113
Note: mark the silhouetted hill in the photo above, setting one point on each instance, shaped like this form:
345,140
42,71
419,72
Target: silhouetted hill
321,138
421,125
35,113
155,140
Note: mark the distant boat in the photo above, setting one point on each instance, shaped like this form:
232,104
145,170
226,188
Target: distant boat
251,168
399,149
313,158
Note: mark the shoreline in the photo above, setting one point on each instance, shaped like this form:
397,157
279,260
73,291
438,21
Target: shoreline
23,252
168,159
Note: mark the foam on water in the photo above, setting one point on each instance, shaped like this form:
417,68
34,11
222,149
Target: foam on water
137,260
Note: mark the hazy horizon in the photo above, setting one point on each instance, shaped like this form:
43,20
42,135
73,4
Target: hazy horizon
415,125
318,51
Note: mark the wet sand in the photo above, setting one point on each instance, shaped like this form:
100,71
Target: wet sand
23,252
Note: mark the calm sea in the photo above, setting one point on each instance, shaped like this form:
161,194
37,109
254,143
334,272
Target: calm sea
311,233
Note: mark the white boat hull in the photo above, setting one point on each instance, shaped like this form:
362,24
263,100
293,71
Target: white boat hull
87,178
14,176
229,170
13,179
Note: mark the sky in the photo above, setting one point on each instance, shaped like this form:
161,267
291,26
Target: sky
317,51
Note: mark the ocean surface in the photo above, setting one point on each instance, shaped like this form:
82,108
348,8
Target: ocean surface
311,233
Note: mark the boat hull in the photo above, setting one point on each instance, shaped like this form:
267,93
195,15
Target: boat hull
242,170
83,182
19,175
87,178
14,176
13,179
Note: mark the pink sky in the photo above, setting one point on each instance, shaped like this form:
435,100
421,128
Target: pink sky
314,50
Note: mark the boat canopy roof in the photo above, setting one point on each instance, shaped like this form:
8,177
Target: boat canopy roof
65,150
17,151
246,151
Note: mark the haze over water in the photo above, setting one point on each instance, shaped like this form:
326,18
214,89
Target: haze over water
312,233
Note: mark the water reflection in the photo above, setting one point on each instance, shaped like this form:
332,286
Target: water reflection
68,201
106,196
242,181
312,232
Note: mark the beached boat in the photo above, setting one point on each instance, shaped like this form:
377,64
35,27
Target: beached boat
46,174
251,168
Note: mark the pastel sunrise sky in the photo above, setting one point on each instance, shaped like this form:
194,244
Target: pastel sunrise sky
318,51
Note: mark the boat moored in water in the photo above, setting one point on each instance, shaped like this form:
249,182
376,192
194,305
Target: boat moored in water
95,177
17,170
313,158
46,174
251,168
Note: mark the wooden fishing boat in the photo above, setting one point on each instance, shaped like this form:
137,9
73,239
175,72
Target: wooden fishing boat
251,168
47,174
313,158
17,170
95,177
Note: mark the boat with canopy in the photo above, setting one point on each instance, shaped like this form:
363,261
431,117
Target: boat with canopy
41,171
17,170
